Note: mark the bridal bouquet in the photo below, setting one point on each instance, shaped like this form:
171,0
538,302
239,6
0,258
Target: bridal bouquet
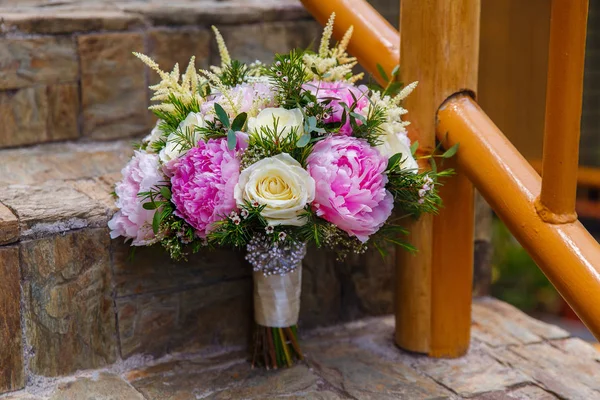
269,158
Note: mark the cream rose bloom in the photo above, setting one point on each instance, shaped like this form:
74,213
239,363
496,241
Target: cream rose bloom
281,184
394,143
154,136
172,150
287,120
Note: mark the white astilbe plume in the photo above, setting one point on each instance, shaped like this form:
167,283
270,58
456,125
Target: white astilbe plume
223,52
183,88
332,64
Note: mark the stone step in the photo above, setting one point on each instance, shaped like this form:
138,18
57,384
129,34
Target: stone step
85,303
512,356
67,72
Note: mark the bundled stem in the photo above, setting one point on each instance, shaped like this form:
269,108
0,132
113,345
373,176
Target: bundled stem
276,347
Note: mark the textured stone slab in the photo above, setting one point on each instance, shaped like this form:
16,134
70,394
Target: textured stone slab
21,396
62,161
63,111
170,46
218,13
531,392
260,41
494,328
24,115
9,226
101,386
42,60
474,374
113,85
68,21
362,373
70,323
11,356
51,208
193,319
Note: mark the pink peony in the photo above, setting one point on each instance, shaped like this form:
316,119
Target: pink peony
203,183
350,185
340,92
132,221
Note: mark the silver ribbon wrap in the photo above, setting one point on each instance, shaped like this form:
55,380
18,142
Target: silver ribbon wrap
277,298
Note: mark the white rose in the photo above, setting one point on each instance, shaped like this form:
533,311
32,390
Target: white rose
281,184
287,120
172,149
154,136
394,143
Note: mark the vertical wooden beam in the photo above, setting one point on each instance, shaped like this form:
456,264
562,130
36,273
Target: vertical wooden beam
439,47
564,97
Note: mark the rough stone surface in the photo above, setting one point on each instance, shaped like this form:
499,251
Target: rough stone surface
70,323
51,208
63,111
356,360
261,41
169,46
9,226
102,386
11,354
113,85
62,161
24,115
61,21
41,60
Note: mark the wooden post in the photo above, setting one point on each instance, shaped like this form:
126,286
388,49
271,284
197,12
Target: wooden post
439,47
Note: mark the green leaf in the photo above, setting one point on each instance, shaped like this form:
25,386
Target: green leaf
156,221
361,118
231,139
222,115
396,70
312,123
382,73
394,160
433,165
239,121
393,88
303,141
165,192
152,205
414,147
451,151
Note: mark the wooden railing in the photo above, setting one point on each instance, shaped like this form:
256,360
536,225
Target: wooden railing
441,52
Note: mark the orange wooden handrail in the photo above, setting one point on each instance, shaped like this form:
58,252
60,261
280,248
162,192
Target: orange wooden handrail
564,90
566,253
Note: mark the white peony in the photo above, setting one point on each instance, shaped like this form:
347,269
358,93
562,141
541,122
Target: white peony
281,184
394,143
287,120
172,149
154,136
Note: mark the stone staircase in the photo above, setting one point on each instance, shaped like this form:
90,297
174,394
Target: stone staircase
80,318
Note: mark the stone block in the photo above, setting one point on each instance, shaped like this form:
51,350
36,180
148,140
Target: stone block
24,115
51,208
9,226
63,111
11,356
113,85
68,21
63,161
70,324
170,46
261,41
40,60
102,386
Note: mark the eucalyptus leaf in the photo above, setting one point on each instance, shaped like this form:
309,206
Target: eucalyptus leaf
156,221
396,70
359,117
382,73
222,115
239,121
394,160
414,147
451,151
303,141
165,192
151,205
231,139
